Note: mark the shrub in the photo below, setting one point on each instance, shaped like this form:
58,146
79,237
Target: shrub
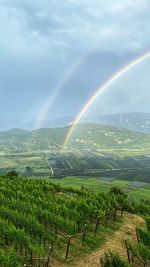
111,259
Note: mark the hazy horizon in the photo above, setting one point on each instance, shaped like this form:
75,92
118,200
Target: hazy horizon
60,122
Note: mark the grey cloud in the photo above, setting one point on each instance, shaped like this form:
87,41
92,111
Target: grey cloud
40,41
87,22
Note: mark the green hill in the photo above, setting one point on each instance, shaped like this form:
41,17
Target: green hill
107,137
16,140
86,136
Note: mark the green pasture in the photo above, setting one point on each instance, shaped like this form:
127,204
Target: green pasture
140,194
99,185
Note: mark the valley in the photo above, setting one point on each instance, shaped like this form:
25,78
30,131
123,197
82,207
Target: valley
96,156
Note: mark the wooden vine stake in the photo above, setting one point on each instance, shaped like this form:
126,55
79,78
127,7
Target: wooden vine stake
31,256
137,235
128,252
107,218
96,227
115,213
122,210
49,255
84,233
101,262
68,245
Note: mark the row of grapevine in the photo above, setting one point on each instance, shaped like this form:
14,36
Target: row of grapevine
140,253
35,214
9,258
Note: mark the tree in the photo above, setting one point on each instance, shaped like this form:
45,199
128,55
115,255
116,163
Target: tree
12,174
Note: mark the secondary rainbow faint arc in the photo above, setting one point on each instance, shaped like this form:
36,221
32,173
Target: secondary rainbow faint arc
100,90
51,99
45,111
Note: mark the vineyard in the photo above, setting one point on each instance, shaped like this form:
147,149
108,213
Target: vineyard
40,221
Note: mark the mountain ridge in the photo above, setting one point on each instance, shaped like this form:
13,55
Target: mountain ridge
136,121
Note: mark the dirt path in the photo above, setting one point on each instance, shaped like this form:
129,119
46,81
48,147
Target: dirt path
114,243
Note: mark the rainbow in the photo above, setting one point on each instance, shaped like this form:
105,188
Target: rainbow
99,91
51,100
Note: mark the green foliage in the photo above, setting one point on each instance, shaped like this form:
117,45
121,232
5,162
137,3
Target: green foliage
141,250
118,191
141,207
144,237
12,174
34,212
111,259
9,259
147,219
120,195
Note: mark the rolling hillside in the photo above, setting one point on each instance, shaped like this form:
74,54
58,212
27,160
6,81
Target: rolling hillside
86,136
108,137
17,140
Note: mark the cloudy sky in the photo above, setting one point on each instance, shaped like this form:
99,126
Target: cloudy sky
54,54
